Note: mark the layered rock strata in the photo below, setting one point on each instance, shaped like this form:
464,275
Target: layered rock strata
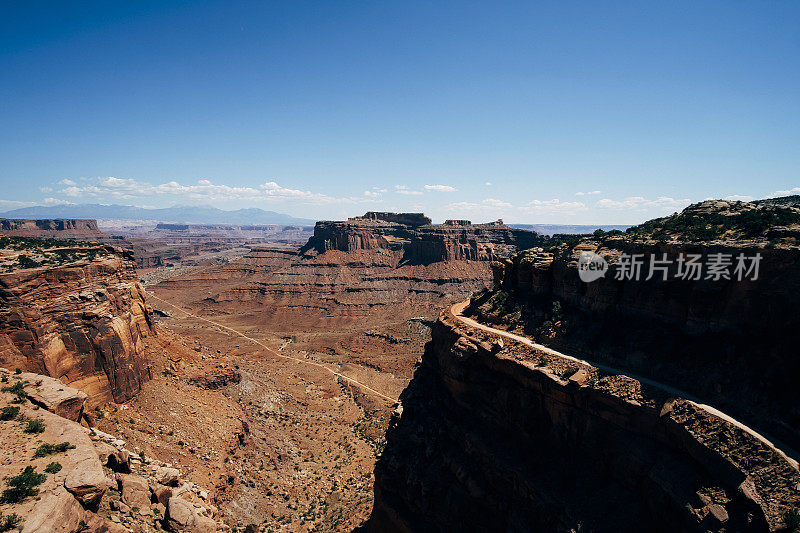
731,342
494,437
82,323
421,241
52,228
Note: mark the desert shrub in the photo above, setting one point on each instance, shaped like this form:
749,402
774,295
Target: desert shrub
9,522
571,369
18,389
4,379
53,468
26,262
18,371
557,313
9,412
35,426
542,361
49,449
547,325
22,486
792,518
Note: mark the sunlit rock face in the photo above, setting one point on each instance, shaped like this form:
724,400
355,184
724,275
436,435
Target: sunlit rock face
419,240
81,322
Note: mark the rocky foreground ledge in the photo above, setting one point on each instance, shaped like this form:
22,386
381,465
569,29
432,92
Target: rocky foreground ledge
499,436
59,476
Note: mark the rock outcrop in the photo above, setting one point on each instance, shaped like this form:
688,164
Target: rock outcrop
51,228
81,322
731,342
421,241
81,479
500,436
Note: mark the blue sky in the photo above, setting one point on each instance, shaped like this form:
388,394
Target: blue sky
537,112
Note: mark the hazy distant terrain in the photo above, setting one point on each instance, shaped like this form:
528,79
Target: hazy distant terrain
581,229
181,214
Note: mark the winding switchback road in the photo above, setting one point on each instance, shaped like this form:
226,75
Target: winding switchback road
457,311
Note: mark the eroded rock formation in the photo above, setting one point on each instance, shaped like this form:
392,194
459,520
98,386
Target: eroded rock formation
504,438
731,342
52,228
81,322
421,241
77,479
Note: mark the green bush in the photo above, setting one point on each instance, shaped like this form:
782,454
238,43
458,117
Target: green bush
571,369
53,468
22,486
49,449
792,518
9,522
35,426
17,389
9,412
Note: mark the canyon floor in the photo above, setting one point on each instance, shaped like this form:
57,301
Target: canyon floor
274,377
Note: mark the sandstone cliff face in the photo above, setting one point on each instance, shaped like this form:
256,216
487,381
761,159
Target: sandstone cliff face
731,343
82,323
492,439
61,227
421,242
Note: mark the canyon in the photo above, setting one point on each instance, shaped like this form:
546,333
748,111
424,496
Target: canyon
392,374
617,404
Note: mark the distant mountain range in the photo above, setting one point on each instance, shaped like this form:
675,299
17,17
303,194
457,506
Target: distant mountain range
580,229
177,214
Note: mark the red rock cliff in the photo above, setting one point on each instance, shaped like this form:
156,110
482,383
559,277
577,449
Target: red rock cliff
493,438
421,241
81,322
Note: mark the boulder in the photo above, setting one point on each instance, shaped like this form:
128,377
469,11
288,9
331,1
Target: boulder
161,493
167,476
186,517
87,481
57,512
114,458
53,395
135,492
97,524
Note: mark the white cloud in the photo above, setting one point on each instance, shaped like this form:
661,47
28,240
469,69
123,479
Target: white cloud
589,193
14,204
56,201
67,182
787,192
641,203
740,198
488,183
401,187
45,189
440,188
409,193
111,188
374,192
553,206
492,202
